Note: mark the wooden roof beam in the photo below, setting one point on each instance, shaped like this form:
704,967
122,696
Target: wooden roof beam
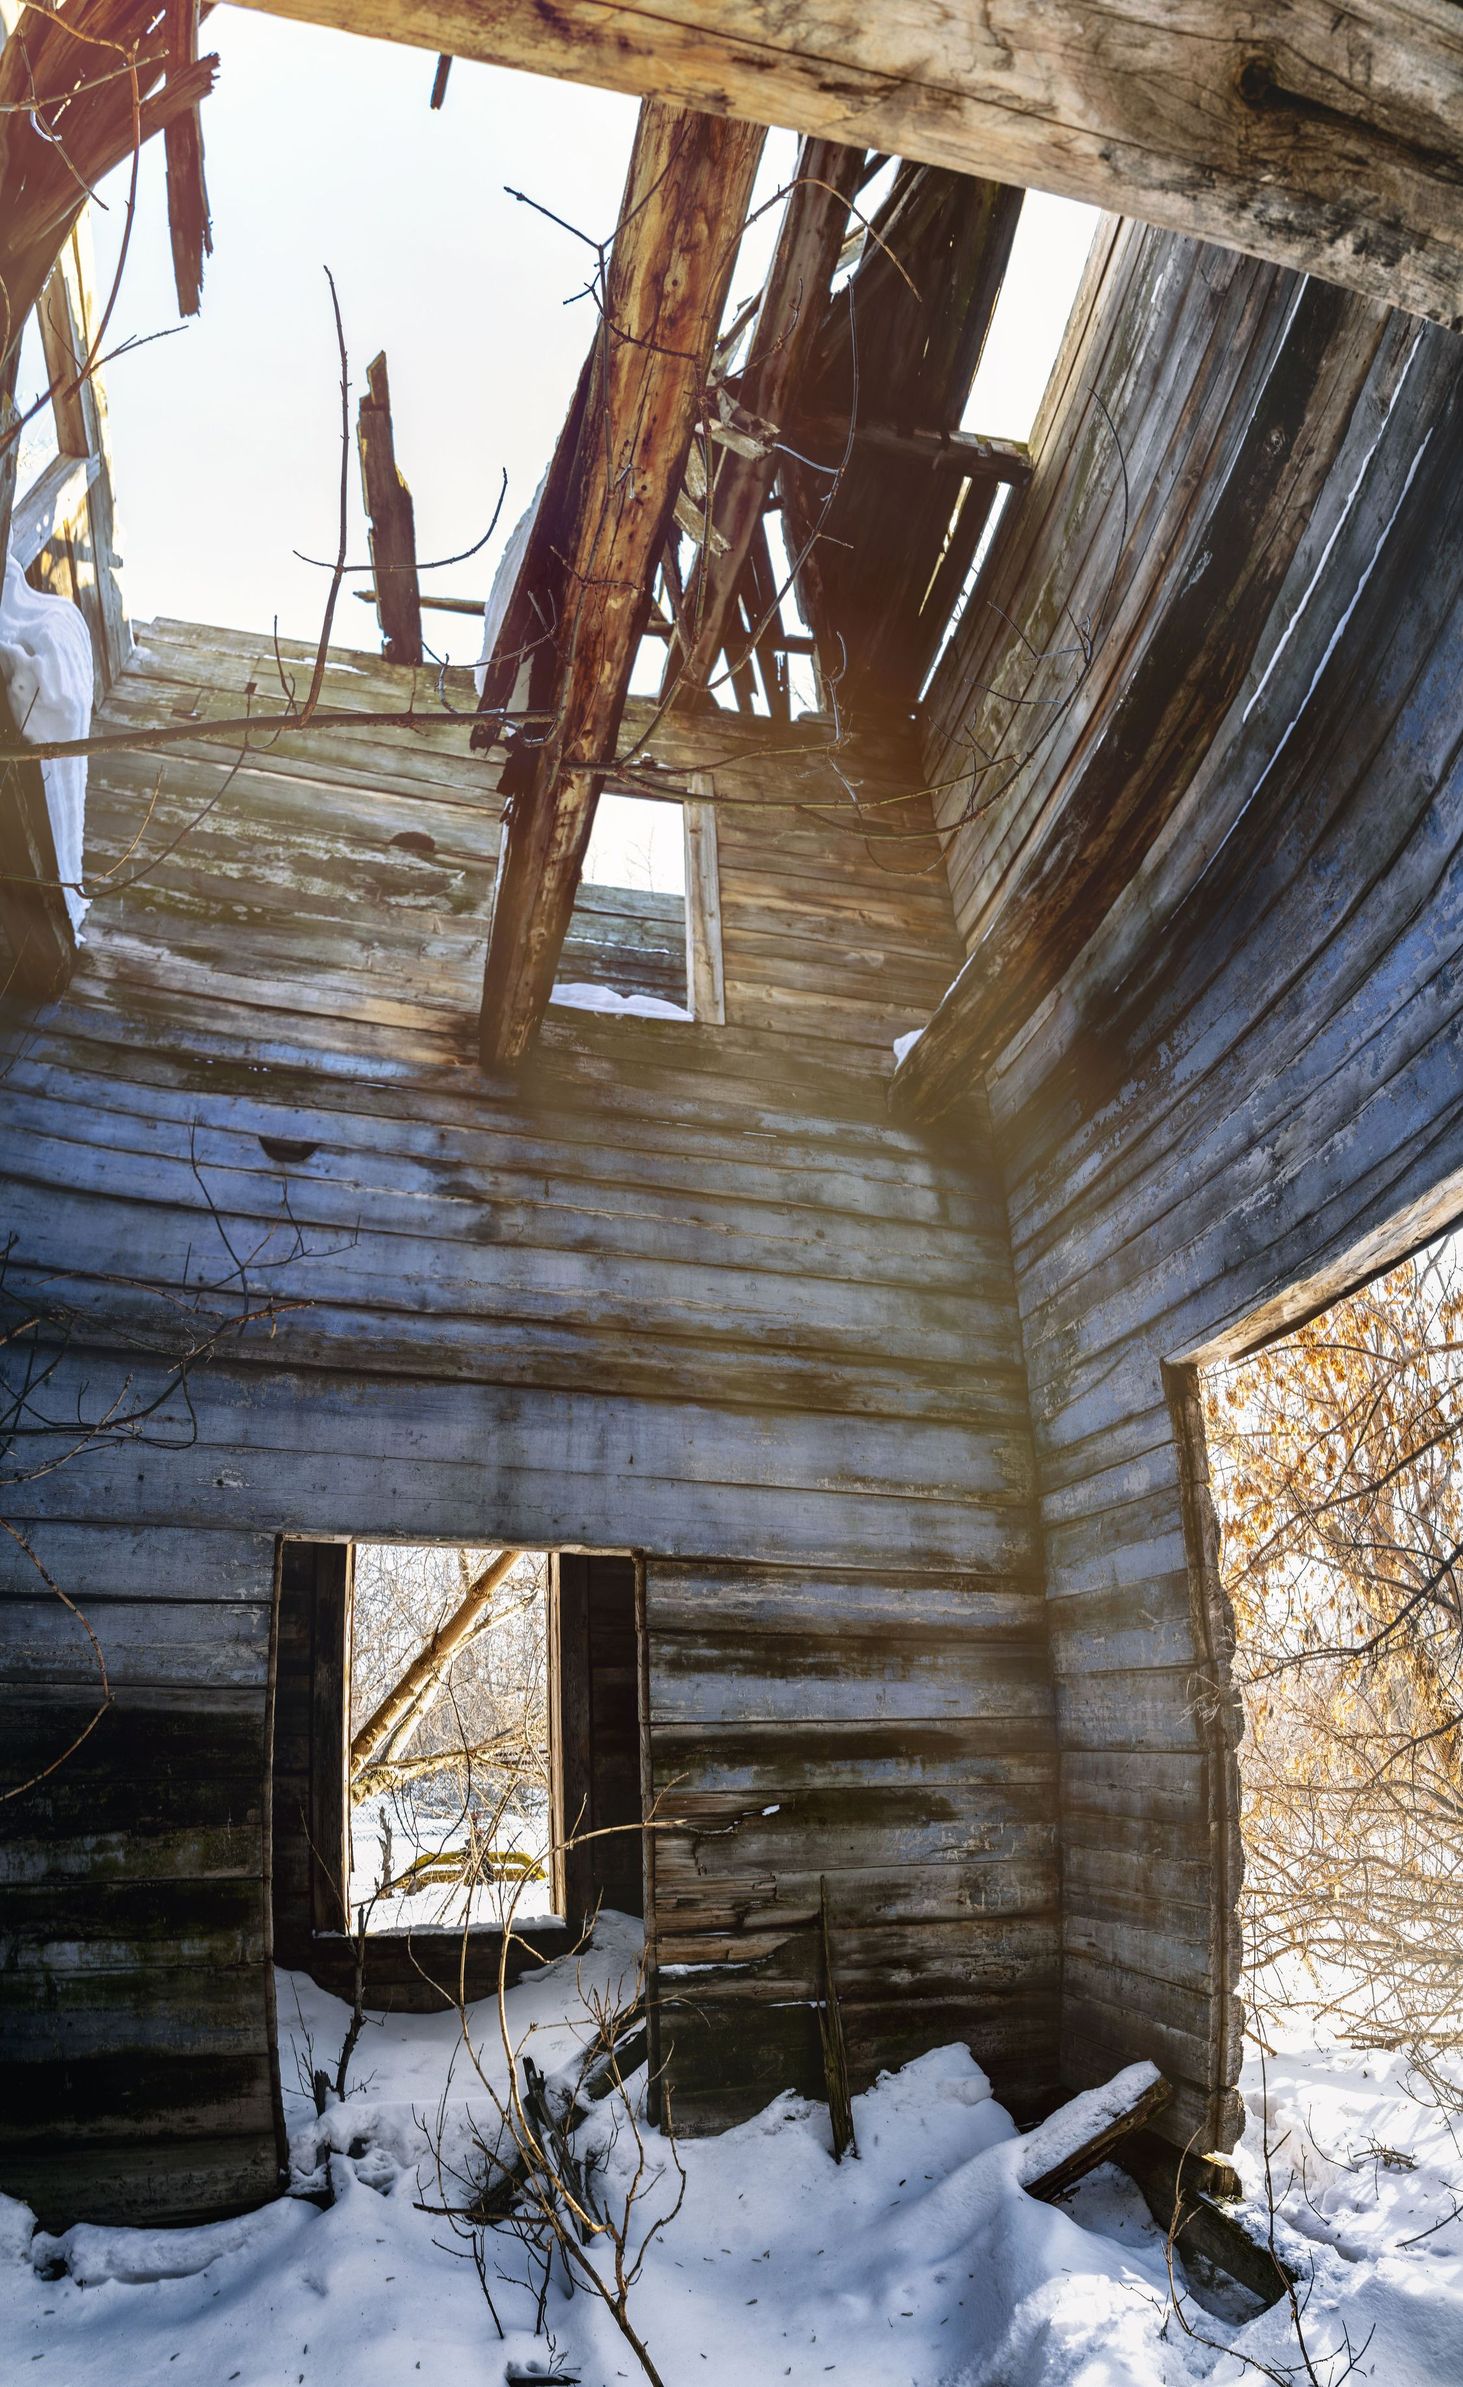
1327,139
685,204
813,226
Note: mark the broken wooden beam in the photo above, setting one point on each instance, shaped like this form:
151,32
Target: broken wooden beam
370,595
51,504
972,453
392,520
1185,664
1196,2197
816,215
685,205
189,226
1323,139
49,78
1083,2133
900,346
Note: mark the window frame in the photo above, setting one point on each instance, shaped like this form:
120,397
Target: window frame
705,969
417,1969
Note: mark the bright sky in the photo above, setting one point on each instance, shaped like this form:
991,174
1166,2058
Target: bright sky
321,149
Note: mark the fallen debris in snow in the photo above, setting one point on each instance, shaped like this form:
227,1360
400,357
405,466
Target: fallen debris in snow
925,2264
1082,2134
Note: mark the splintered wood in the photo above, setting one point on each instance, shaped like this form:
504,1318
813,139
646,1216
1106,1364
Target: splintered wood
393,524
685,203
827,177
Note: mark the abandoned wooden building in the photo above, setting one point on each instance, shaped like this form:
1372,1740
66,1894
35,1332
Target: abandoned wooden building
851,1395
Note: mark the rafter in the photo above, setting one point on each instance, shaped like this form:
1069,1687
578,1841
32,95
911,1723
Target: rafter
826,179
685,204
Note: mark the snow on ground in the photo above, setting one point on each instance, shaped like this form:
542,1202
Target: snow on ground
921,2264
393,1828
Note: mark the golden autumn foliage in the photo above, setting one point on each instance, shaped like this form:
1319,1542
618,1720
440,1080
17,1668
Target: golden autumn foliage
1336,1463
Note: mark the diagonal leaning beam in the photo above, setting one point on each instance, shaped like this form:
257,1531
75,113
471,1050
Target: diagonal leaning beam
685,204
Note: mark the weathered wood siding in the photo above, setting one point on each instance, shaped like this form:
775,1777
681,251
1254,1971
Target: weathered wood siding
1246,1092
679,1289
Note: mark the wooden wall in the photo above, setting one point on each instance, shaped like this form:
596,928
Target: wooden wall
1245,1095
680,1289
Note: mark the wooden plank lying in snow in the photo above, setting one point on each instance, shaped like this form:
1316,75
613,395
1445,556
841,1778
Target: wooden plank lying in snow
1078,2136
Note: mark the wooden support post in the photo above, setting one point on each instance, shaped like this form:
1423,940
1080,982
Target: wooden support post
685,205
704,969
764,614
393,524
1135,761
37,942
1325,139
797,288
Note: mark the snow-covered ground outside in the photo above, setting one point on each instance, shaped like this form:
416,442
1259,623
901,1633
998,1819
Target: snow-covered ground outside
920,2264
390,1830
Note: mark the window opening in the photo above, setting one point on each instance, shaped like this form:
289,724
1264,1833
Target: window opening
644,935
1334,1464
984,545
506,1784
449,1755
1043,276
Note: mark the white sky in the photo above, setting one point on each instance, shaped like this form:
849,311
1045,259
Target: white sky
321,149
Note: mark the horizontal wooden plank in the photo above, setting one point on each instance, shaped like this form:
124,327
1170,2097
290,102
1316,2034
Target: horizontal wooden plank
203,1642
731,1679
829,1753
711,1596
157,2180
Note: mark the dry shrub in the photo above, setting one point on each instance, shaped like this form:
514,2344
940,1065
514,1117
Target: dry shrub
1334,1459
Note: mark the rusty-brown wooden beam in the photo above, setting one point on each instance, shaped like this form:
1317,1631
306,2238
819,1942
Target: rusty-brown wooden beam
813,226
1323,138
393,523
685,203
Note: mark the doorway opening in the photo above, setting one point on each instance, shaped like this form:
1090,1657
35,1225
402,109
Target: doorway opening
457,1757
1335,1458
